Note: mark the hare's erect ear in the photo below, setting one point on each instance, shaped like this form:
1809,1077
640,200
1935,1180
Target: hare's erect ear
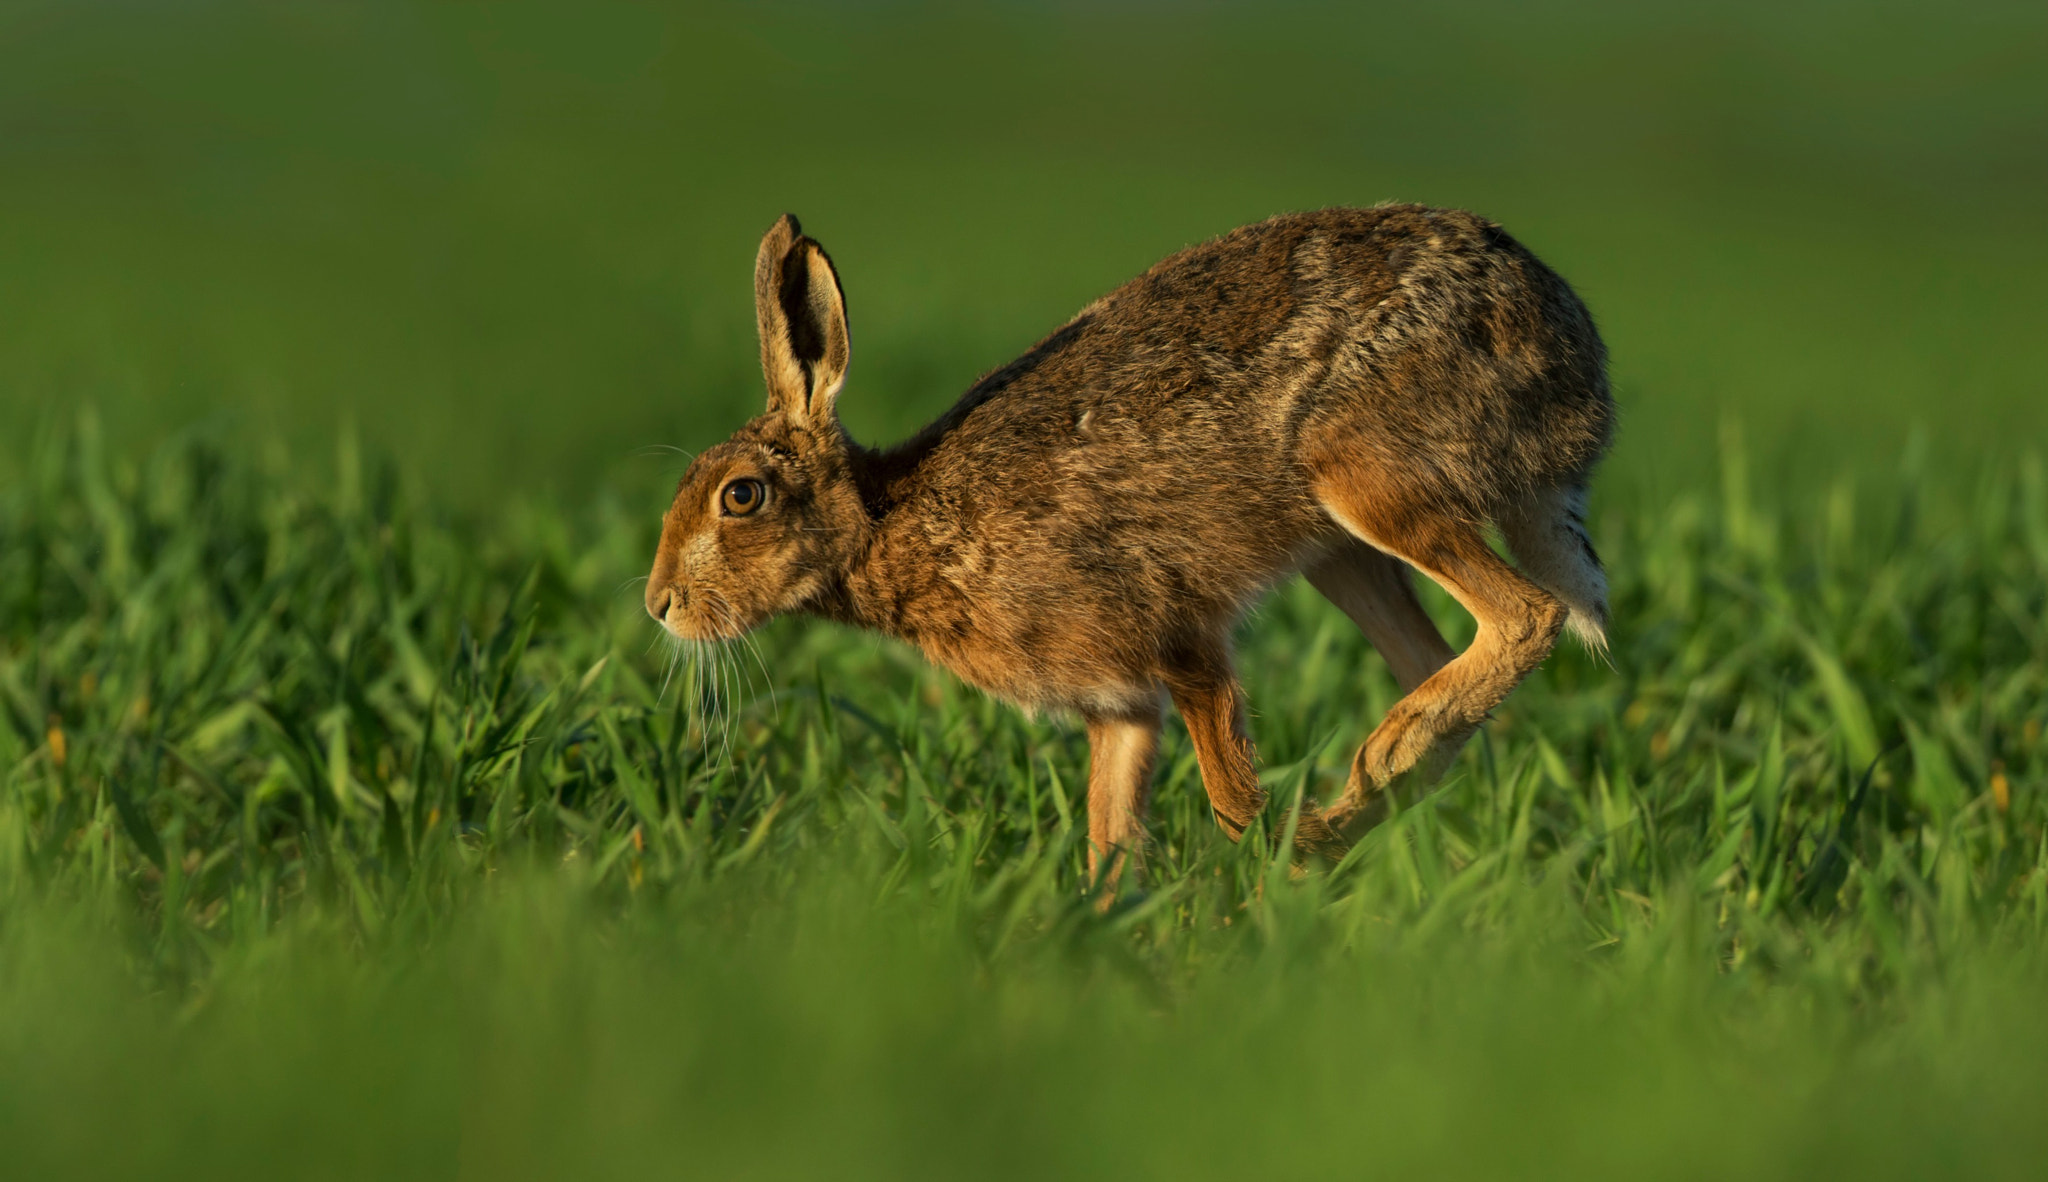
802,317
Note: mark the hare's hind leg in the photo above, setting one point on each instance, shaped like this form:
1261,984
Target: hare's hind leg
1518,623
1121,749
1206,693
1373,589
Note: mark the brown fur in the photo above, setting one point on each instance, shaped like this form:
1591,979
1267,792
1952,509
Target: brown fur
1323,392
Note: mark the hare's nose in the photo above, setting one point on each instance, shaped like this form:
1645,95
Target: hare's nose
658,601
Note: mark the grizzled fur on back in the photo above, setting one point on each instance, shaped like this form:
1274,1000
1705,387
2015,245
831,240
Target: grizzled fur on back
1088,522
1481,369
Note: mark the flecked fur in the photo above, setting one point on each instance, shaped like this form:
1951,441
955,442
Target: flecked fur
1325,392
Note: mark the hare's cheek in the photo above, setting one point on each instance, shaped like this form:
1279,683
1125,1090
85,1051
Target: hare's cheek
700,555
800,586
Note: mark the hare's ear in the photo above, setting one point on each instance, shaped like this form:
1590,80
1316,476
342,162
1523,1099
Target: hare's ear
802,317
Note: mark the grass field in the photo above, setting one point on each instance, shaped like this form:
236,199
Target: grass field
353,821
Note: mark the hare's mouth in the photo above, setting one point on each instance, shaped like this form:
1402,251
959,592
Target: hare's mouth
697,626
694,631
704,631
697,616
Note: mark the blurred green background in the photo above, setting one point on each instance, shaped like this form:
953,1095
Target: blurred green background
352,823
513,241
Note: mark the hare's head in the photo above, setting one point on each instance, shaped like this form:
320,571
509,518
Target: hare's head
764,522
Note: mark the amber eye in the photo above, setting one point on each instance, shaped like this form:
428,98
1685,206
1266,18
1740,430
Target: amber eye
742,497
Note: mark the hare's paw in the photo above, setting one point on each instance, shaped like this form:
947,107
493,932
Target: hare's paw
1357,813
1406,754
1415,737
1315,836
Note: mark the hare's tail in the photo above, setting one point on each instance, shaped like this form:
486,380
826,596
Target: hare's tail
1547,535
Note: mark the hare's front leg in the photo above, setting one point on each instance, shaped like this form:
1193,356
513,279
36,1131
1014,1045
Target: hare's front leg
1121,748
1206,693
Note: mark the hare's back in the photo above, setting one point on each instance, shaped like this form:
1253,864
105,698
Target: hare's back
1430,331
1188,358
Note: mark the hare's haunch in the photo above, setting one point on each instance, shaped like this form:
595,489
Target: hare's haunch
1346,393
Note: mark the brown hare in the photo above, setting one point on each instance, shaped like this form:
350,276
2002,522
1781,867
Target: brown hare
1346,393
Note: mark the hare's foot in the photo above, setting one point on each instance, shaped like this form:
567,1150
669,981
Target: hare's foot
1357,814
1410,750
1365,803
1389,769
1315,836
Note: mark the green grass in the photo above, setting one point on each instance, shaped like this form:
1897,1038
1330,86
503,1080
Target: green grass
354,822
392,837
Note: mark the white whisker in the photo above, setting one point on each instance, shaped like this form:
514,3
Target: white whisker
729,705
669,666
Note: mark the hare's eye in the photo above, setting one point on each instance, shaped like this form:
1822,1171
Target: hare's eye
742,497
